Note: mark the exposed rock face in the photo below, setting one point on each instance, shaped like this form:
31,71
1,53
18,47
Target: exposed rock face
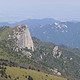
55,71
28,54
22,37
41,57
56,53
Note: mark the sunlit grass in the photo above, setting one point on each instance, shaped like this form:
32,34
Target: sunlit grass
15,72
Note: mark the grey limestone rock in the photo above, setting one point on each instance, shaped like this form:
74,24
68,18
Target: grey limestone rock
56,53
22,37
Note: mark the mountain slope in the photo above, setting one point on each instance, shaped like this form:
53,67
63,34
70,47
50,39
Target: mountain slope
65,63
17,73
46,57
4,32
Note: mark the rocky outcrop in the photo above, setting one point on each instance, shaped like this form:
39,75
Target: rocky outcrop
41,57
56,52
28,54
55,71
22,37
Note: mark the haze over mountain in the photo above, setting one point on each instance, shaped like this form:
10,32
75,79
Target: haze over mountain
51,30
58,9
39,40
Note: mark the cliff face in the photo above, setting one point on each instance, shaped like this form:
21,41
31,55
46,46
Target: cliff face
22,37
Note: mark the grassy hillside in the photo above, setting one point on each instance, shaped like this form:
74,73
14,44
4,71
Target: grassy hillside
68,64
4,32
17,73
48,61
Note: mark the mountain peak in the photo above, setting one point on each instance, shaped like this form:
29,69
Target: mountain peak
20,27
22,37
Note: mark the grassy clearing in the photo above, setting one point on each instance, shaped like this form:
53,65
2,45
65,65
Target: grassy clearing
16,72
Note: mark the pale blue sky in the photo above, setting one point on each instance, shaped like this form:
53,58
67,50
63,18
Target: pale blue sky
16,10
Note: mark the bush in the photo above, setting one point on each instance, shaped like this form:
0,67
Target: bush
38,70
6,76
25,76
29,67
30,78
9,76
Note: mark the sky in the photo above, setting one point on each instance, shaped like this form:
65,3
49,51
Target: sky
17,10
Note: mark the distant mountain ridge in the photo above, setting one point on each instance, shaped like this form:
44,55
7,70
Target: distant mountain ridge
31,22
51,30
67,33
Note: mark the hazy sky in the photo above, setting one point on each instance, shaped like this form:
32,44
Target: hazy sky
16,10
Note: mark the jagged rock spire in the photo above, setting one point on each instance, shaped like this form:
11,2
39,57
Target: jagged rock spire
22,37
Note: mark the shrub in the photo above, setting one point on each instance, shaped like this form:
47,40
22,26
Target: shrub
25,76
30,78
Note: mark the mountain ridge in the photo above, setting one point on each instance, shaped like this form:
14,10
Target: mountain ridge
46,57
